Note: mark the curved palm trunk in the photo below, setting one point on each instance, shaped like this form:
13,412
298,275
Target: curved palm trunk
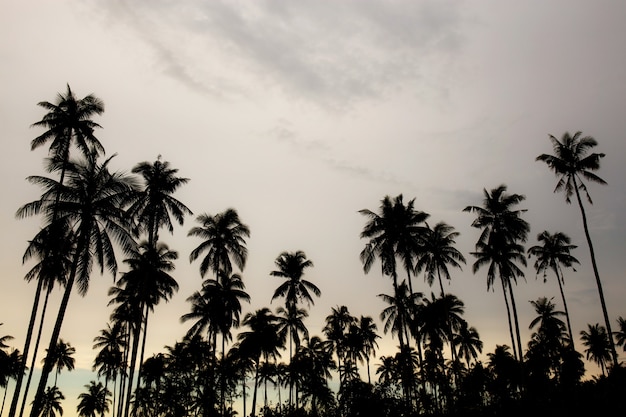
508,315
517,332
22,366
607,322
569,325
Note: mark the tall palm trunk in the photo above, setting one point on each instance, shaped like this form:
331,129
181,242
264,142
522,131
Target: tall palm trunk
508,315
517,331
131,370
559,277
607,322
35,350
256,384
49,362
22,365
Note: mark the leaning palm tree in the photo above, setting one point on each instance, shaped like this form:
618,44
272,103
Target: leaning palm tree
554,254
224,241
438,252
598,348
68,122
51,403
572,163
91,202
499,246
95,401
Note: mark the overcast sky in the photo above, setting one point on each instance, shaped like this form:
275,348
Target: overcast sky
300,113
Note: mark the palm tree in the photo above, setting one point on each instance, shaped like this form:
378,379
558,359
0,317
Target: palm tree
367,331
548,318
68,122
61,357
503,230
148,282
109,361
395,231
291,266
620,335
262,340
467,340
153,204
397,316
337,324
554,253
51,403
438,252
91,202
598,348
224,240
94,401
572,163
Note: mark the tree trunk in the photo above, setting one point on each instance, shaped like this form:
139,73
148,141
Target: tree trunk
131,370
517,332
605,312
22,366
508,315
569,325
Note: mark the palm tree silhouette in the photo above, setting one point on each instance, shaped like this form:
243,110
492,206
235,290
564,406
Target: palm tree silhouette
61,357
109,361
262,340
620,335
468,342
572,163
554,253
92,202
224,241
598,348
68,122
95,401
547,318
395,231
51,402
337,324
438,252
503,230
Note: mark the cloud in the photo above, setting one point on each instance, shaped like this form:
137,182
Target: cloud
332,52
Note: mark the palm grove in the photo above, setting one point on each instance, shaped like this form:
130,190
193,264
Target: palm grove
92,216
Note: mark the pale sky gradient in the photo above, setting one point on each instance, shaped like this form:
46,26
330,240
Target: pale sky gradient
300,113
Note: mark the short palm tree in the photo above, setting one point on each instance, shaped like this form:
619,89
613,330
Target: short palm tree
62,357
224,241
467,341
337,324
548,319
95,401
51,403
553,254
291,266
572,163
596,341
438,252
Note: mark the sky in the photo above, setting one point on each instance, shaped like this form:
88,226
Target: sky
298,114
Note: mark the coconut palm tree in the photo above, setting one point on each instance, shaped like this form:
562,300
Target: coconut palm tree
553,254
499,246
95,401
224,241
548,318
598,348
468,342
148,282
109,361
572,163
367,331
262,340
337,324
68,122
291,266
91,202
395,231
153,204
51,403
438,252
61,357
620,335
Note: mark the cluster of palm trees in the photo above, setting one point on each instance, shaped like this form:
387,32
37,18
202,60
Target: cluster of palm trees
90,212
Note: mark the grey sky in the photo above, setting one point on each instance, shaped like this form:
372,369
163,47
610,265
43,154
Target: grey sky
298,114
